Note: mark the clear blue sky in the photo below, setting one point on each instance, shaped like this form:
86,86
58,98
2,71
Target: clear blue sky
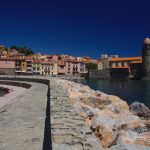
76,27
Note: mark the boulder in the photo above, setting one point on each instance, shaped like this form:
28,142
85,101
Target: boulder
140,109
129,147
105,135
118,105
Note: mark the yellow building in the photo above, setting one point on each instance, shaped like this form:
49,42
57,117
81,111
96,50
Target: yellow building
45,68
20,66
49,68
100,66
37,67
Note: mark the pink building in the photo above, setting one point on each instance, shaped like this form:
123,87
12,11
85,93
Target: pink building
53,57
75,67
62,68
7,66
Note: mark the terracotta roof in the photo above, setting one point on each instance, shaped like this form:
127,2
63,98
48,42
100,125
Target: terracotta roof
43,61
86,57
136,62
127,59
37,61
28,58
11,58
61,63
73,61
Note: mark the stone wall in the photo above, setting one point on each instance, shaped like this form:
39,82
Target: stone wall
7,71
98,74
109,73
44,81
146,61
20,84
136,70
119,73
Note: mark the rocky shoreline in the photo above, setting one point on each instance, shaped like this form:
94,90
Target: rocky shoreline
116,125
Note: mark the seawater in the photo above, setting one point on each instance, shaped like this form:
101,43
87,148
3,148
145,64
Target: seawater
128,90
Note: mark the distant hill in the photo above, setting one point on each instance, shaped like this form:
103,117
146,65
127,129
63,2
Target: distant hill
25,50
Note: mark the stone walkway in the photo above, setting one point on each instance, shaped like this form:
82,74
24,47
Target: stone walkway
69,131
31,122
22,122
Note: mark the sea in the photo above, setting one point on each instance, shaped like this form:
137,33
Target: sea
128,90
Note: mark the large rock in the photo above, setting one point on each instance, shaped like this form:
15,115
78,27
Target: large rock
118,105
105,135
134,137
110,118
129,147
140,109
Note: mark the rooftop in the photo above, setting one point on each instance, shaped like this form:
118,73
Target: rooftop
127,59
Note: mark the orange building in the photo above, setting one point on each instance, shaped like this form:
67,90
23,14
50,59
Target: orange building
123,62
130,65
121,66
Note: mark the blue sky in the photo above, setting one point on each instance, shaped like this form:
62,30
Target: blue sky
76,27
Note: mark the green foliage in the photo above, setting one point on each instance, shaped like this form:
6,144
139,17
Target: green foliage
25,50
91,66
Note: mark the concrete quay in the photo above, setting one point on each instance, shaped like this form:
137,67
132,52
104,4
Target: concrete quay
22,122
43,118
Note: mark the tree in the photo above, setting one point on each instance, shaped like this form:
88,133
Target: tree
25,50
91,66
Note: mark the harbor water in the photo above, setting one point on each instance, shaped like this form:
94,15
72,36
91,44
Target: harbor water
128,90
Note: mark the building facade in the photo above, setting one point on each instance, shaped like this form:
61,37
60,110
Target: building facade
75,67
49,68
37,68
29,67
20,66
7,66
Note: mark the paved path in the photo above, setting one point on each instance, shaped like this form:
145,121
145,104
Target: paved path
31,122
69,131
22,122
15,91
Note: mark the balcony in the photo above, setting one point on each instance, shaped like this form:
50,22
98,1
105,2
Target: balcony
29,68
17,67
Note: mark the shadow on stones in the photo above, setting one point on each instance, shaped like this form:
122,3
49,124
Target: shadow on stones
47,143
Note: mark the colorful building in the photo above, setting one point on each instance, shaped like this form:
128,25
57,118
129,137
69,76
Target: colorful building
75,67
49,68
7,66
37,67
62,70
125,66
29,67
20,66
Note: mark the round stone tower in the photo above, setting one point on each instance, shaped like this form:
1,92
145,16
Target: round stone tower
146,59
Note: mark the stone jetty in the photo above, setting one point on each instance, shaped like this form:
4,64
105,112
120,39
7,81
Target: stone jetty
109,118
69,131
63,115
43,118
